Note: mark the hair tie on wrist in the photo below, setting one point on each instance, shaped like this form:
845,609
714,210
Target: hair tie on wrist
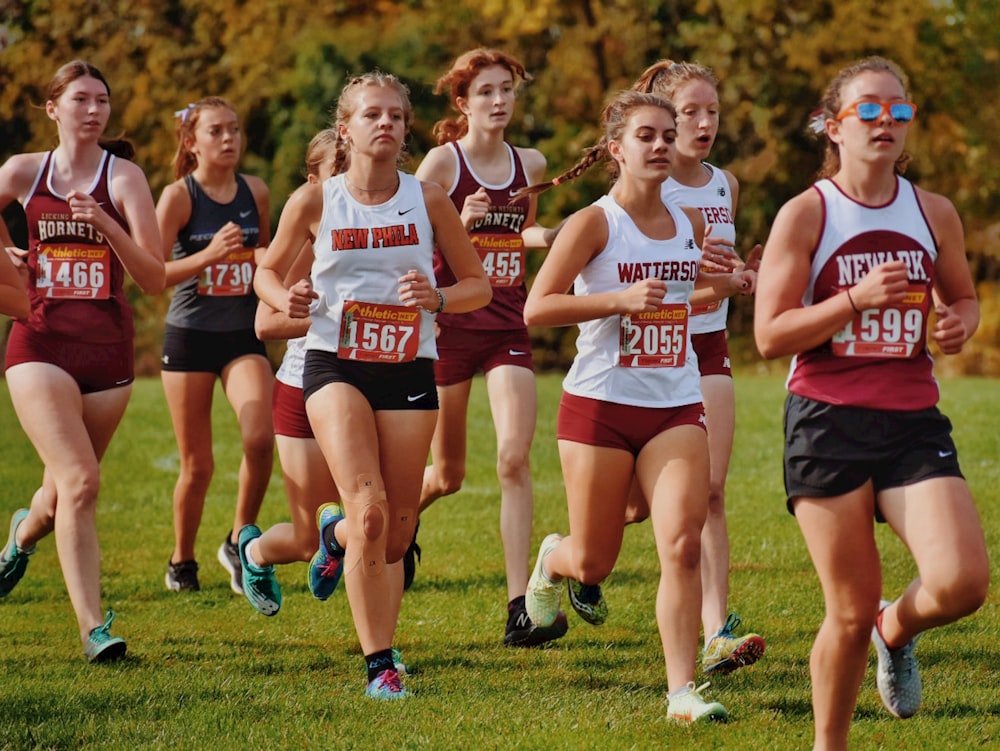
851,301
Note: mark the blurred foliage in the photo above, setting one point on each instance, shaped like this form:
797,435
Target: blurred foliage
282,64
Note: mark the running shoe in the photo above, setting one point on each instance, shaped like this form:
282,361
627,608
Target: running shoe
13,560
260,585
410,558
325,568
690,706
588,601
386,685
725,652
397,662
101,646
543,595
182,576
897,676
521,631
229,557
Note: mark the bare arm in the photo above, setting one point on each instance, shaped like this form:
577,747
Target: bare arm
139,248
535,235
549,302
472,289
782,325
957,305
273,324
13,295
299,220
172,213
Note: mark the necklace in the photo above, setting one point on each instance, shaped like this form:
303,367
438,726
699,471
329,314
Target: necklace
372,190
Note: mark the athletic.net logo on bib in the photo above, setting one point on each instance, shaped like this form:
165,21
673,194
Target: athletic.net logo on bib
376,332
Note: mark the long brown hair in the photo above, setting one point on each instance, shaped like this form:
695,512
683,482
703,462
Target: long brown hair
70,72
459,78
616,113
185,162
832,104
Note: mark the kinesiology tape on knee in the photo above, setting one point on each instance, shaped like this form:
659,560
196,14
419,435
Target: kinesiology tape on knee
370,516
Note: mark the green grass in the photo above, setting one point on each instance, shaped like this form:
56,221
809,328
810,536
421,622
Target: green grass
206,672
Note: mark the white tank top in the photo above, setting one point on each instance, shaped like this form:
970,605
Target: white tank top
293,363
715,202
361,253
601,369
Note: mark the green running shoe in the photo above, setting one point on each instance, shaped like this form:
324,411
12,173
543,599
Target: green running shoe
725,652
541,600
101,646
260,586
13,560
588,601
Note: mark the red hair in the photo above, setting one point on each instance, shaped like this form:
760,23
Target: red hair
459,78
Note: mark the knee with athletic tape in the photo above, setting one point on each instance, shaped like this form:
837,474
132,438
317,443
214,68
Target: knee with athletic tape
369,511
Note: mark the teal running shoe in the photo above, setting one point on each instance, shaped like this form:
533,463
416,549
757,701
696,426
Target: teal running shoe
13,560
541,600
897,676
588,601
326,568
260,586
386,685
101,646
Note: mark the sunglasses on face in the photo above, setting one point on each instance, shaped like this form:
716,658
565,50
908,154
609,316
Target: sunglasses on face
869,111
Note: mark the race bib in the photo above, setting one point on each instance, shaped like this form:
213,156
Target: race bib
700,310
374,332
230,277
79,272
502,257
654,340
897,331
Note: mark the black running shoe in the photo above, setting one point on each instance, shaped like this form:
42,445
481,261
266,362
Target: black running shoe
183,575
522,632
229,557
410,558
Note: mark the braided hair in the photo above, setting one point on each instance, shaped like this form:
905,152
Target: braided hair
613,119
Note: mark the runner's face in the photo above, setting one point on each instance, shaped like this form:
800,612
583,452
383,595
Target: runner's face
378,123
84,107
881,140
647,146
697,104
490,102
217,137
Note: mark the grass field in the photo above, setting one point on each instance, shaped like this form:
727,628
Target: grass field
205,671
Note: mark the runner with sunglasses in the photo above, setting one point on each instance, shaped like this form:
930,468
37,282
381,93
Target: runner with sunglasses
848,281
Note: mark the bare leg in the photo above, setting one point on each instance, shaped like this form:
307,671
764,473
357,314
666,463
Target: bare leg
839,533
70,432
513,401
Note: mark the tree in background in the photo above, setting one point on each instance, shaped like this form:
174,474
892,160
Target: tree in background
282,62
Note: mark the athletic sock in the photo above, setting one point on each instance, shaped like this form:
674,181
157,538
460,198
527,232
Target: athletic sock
330,540
378,662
